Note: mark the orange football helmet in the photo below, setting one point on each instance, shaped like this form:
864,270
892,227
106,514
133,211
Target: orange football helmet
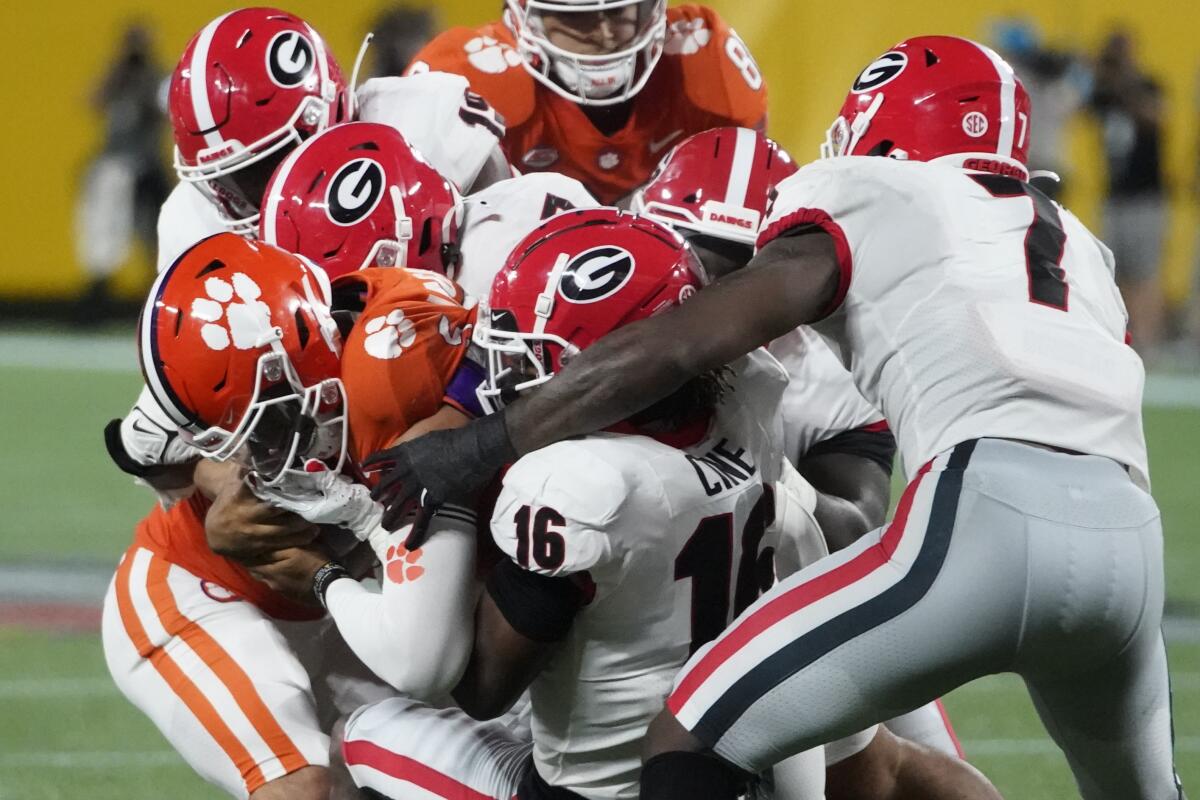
237,345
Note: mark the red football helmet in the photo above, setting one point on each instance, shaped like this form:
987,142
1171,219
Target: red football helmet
593,80
937,98
576,278
717,183
238,347
358,196
251,84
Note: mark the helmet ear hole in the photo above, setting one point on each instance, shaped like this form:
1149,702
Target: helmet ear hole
882,149
426,236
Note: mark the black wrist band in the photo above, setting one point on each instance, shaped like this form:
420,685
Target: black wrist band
325,577
493,441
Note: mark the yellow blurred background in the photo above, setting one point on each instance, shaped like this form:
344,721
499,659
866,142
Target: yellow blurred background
56,51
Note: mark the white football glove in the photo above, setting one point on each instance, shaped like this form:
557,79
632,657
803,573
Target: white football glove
150,437
325,497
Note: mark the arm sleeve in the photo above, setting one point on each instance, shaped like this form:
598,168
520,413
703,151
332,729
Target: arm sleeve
439,115
418,632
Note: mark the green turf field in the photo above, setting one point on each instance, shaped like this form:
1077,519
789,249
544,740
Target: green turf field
67,733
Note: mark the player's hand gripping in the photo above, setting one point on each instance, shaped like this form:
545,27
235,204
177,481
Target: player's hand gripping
439,467
241,526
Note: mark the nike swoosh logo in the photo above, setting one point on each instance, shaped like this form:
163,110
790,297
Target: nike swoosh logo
655,146
148,431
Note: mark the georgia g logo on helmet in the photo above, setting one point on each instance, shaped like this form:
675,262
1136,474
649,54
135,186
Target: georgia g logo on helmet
290,59
596,274
354,192
880,71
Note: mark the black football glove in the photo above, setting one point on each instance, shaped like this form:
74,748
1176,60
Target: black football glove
439,467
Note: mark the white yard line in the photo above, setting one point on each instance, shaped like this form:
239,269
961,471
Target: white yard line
69,351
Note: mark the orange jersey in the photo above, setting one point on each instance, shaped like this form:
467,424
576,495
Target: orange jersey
405,347
177,535
705,79
397,360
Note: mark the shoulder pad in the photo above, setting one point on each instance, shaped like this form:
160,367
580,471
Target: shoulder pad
487,58
559,510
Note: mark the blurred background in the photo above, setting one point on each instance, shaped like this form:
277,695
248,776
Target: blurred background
1116,113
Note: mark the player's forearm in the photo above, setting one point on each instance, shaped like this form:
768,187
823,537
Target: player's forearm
639,364
417,633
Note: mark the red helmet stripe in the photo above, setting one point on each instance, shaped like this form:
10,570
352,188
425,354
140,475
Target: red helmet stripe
1008,102
201,105
742,169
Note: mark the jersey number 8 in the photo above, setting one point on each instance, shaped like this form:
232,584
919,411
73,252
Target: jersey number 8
739,54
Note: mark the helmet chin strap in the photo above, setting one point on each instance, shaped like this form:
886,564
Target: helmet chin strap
862,121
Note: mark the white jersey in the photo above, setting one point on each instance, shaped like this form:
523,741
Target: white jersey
433,111
971,306
436,114
671,540
186,217
497,218
821,399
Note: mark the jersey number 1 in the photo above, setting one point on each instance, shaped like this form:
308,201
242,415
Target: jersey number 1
1045,240
707,558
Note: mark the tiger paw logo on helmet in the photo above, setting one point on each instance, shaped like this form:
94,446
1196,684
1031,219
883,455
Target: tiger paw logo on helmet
488,55
241,323
388,336
687,37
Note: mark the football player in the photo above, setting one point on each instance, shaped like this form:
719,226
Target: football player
600,89
256,82
241,354
983,320
616,545
715,189
251,86
359,196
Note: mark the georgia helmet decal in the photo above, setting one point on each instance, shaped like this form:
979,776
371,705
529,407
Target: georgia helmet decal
880,71
290,59
354,191
596,274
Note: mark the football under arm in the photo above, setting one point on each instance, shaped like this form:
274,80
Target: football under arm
790,282
417,633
